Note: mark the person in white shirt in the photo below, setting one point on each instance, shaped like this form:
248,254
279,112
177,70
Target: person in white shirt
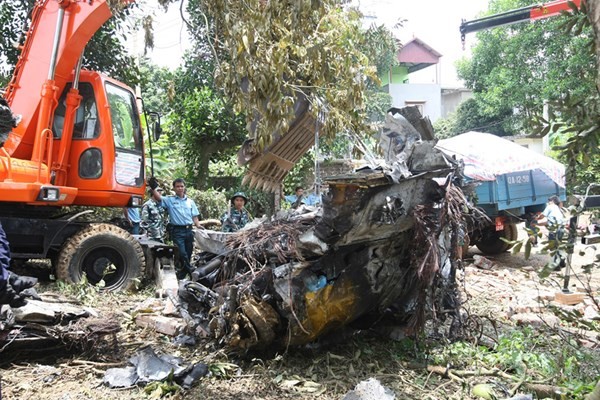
554,219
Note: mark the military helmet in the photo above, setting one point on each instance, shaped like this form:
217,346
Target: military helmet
240,194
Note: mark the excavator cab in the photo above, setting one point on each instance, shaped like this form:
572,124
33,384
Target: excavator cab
106,154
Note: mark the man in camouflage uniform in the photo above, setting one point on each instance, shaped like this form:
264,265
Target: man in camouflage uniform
237,217
153,219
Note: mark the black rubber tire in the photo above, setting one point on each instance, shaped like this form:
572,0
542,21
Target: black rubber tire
513,231
94,248
491,242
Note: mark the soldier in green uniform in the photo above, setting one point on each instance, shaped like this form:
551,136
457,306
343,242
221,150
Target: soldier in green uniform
153,219
237,216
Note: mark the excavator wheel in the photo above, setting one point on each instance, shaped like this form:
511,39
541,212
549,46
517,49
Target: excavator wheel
491,242
102,252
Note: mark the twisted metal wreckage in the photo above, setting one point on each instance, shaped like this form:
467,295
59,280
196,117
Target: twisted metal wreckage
383,246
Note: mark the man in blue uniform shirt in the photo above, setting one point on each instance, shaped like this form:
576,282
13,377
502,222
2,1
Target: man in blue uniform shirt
12,286
132,214
183,216
6,294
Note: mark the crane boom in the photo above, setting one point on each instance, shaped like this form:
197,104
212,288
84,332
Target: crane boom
81,21
529,13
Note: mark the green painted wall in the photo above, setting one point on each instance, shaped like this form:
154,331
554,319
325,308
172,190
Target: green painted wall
399,75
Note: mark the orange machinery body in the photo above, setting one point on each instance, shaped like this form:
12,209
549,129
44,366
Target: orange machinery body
26,172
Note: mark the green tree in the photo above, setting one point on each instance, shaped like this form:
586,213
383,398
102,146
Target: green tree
270,52
470,116
519,67
104,53
12,17
201,122
381,48
205,126
574,117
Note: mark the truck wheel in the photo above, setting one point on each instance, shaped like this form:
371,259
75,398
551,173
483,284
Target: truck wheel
491,242
101,252
513,231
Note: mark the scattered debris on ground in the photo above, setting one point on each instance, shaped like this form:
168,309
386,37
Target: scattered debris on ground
52,326
295,307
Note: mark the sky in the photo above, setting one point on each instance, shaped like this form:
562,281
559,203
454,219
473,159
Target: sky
436,22
170,35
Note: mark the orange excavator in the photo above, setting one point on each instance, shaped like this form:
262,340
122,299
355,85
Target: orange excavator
78,141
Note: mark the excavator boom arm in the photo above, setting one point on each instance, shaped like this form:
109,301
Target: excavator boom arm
81,20
529,13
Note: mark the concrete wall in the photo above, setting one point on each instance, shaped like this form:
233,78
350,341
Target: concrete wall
429,95
534,144
451,99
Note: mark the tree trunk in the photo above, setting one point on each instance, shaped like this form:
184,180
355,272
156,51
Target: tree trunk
594,15
201,181
202,177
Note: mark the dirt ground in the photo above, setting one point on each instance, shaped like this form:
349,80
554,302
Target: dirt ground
509,294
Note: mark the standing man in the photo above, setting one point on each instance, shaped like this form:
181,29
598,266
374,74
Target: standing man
297,198
132,214
153,219
11,285
237,216
554,219
183,216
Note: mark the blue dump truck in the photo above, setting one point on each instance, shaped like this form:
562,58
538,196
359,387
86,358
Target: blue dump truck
512,184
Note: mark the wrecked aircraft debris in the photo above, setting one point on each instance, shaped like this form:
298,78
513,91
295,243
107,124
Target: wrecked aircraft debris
382,246
52,326
147,366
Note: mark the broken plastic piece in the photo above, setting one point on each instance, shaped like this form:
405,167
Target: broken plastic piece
120,377
198,371
150,367
313,283
184,340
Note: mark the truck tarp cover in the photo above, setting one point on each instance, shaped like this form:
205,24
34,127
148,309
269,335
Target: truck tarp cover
487,156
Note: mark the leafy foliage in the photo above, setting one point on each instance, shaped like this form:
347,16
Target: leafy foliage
520,66
575,115
470,116
381,48
531,355
83,291
13,14
272,52
204,126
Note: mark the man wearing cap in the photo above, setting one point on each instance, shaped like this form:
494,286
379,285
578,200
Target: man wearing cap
153,219
237,216
183,216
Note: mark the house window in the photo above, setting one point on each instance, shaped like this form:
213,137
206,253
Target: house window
419,104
